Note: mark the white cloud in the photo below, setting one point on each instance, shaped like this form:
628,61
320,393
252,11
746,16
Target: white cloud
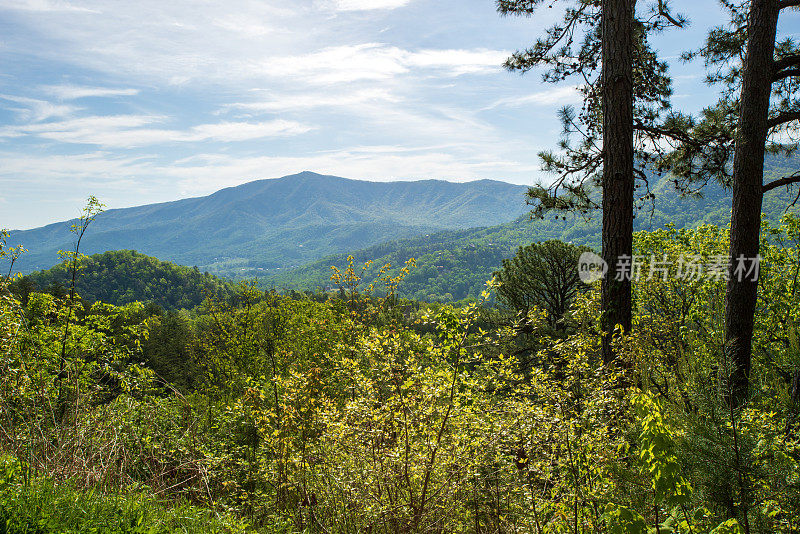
38,110
556,96
98,167
339,64
459,62
378,61
74,129
73,92
363,5
241,131
312,100
43,6
126,131
149,42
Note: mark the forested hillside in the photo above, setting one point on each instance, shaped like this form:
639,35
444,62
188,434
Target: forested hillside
265,225
455,265
124,276
361,412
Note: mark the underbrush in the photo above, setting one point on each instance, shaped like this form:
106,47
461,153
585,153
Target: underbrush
42,506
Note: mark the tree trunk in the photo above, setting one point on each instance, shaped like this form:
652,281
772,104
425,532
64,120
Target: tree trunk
617,87
748,174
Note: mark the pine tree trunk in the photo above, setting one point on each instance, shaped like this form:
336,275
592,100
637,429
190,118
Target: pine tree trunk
617,87
748,175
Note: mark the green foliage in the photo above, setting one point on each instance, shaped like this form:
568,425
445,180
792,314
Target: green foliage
45,507
455,265
542,275
657,453
358,411
169,350
9,254
623,520
124,276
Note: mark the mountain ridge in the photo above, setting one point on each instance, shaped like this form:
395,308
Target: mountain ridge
282,222
455,264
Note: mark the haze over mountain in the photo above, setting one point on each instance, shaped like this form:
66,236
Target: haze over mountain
268,225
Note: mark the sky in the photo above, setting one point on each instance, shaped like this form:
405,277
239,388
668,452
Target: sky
147,101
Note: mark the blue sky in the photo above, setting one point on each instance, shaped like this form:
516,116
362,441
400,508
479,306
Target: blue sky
149,101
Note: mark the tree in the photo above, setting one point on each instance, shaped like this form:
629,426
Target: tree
22,289
631,90
11,254
168,350
753,67
618,181
72,258
543,275
748,175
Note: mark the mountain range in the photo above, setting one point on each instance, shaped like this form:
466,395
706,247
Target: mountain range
288,232
455,264
265,226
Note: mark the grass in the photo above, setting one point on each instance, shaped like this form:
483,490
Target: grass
42,506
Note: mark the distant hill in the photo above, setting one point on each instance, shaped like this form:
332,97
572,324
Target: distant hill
454,265
287,232
123,276
268,225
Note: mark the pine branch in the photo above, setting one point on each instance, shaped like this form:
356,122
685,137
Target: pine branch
671,133
789,63
664,12
783,118
786,74
786,180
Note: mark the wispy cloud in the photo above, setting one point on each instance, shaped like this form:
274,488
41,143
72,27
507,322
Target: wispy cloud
37,110
96,166
313,100
555,96
458,61
44,6
378,61
73,130
205,43
73,92
364,5
127,131
242,131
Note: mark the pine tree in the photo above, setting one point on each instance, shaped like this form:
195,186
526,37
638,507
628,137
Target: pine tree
760,77
543,275
626,90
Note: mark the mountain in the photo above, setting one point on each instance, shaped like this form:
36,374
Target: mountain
123,276
453,265
269,225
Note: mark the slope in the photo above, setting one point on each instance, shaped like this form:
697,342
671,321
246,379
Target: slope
269,224
454,265
123,276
